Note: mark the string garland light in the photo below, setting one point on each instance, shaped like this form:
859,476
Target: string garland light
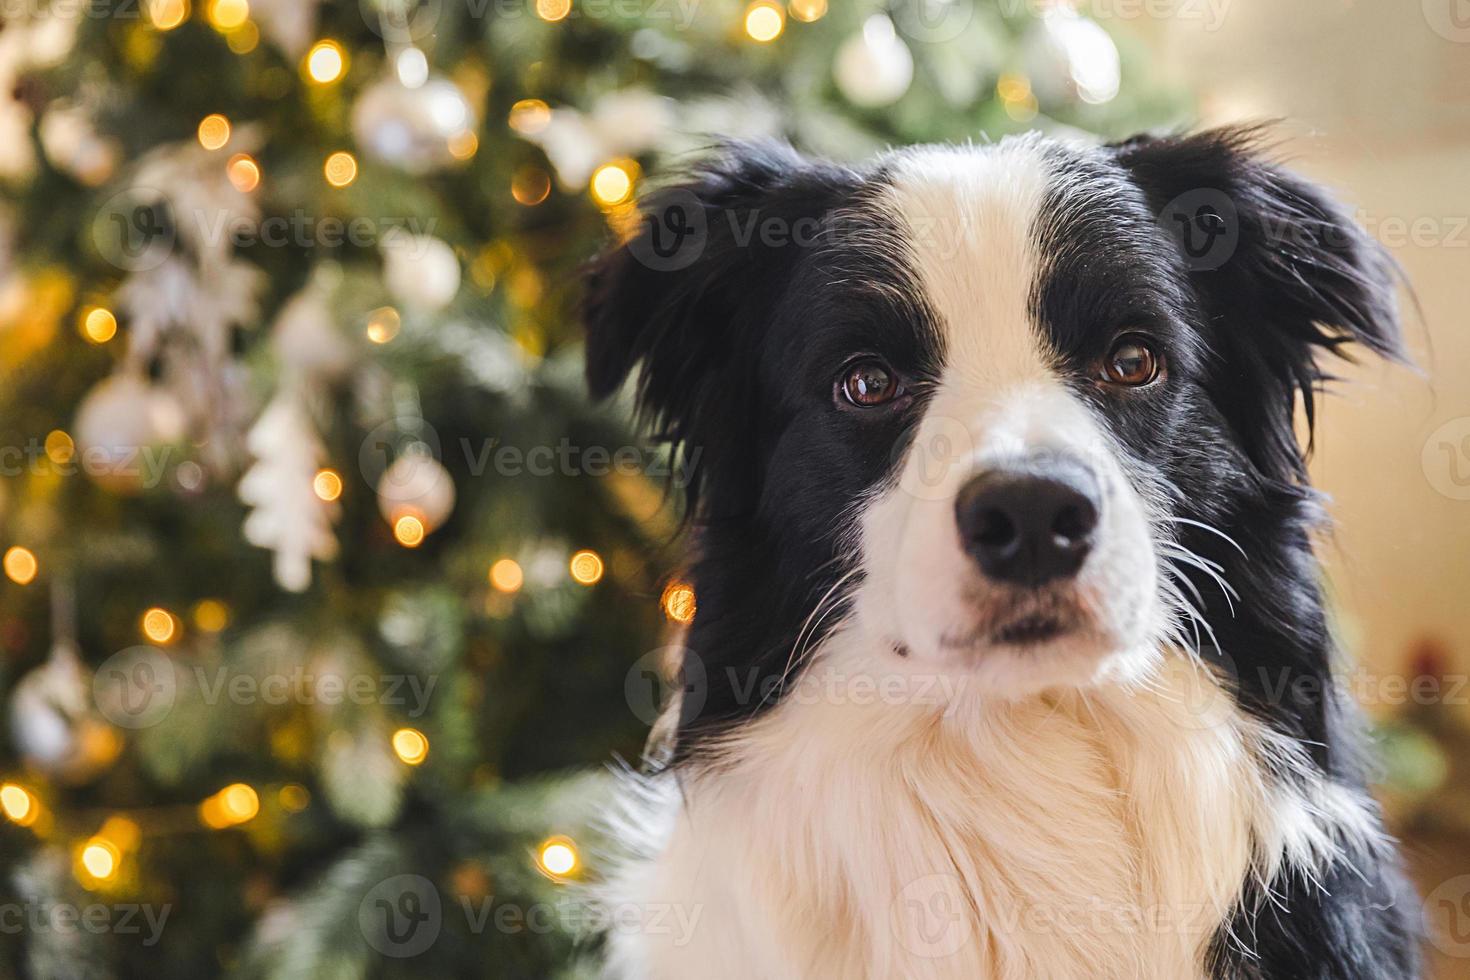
678,602
214,131
20,565
586,567
165,15
340,169
211,615
326,62
327,484
409,530
557,857
59,446
227,15
159,626
506,576
411,746
243,172
808,11
97,324
19,805
612,183
529,116
764,21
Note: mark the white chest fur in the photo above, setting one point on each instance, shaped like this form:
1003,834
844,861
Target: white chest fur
885,834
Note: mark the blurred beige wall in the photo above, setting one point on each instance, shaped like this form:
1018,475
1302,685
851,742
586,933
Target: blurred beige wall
1374,98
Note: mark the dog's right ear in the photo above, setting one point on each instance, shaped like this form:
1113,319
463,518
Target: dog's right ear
663,294
690,290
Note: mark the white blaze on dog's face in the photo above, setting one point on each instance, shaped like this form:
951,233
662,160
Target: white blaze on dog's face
1009,413
1011,544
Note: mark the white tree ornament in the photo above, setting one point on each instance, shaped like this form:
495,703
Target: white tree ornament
287,516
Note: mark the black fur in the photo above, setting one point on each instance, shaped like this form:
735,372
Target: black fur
739,347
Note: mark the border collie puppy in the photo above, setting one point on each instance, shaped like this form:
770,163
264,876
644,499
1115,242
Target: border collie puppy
1011,658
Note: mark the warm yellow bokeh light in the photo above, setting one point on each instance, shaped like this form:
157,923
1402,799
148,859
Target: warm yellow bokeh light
530,186
18,804
98,859
506,575
558,857
243,172
409,530
530,116
553,10
97,324
239,802
410,745
227,15
328,484
764,21
211,615
340,169
325,62
59,447
243,39
808,10
678,602
214,131
463,145
383,324
294,797
612,183
165,15
21,565
1012,86
159,625
586,567
122,831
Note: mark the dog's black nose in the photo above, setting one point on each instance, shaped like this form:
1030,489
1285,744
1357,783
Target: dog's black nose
1030,525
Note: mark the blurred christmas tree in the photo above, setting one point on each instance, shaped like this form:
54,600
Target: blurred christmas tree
319,566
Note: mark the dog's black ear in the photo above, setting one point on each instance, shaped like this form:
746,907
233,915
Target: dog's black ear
1283,272
685,298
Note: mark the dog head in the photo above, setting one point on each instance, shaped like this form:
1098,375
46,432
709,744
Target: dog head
1008,412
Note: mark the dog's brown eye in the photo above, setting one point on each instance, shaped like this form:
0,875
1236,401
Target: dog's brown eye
869,383
1131,362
